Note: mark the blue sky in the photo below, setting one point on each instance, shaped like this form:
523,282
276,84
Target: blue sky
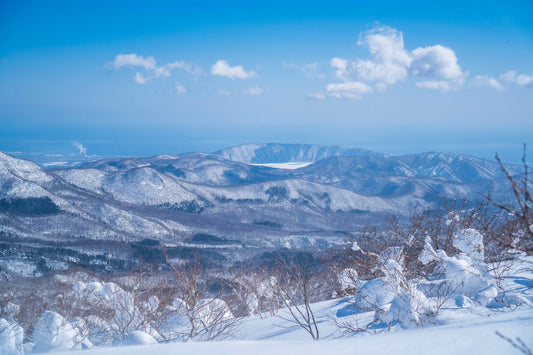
141,78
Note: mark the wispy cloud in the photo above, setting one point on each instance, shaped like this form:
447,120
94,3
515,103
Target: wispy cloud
222,68
442,85
224,92
140,79
310,69
133,60
255,91
486,81
180,89
521,80
151,69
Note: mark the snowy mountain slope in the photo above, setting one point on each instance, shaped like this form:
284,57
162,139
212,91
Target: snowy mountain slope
283,153
172,197
21,178
197,168
451,167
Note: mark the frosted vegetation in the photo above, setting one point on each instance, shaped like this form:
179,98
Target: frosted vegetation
435,270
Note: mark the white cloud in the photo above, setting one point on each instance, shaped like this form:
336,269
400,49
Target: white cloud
521,80
487,81
341,65
140,79
188,67
150,66
133,60
310,69
435,61
389,62
180,89
224,92
442,85
316,96
222,68
349,89
81,148
255,91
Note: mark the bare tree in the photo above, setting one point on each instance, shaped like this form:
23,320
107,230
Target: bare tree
296,284
522,206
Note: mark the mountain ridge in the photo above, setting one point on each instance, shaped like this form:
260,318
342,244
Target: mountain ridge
172,197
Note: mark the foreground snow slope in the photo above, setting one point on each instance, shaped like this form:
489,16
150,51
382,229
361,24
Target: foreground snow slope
473,336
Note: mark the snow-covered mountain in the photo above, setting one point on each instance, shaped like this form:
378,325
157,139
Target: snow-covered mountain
284,153
173,197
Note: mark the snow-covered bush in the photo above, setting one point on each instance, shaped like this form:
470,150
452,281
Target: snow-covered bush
11,338
126,316
138,337
410,309
54,333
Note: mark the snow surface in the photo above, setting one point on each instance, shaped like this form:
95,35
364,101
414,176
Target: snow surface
463,326
475,334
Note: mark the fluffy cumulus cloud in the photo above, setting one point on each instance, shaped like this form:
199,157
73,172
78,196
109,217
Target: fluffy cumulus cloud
222,68
521,80
390,62
151,69
255,91
435,61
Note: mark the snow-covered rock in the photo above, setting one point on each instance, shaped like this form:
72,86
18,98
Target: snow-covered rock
54,333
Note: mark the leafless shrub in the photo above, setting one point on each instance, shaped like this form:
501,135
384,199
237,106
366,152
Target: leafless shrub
517,344
198,293
295,286
520,208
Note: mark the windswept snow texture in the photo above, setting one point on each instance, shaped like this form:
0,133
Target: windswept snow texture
234,195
